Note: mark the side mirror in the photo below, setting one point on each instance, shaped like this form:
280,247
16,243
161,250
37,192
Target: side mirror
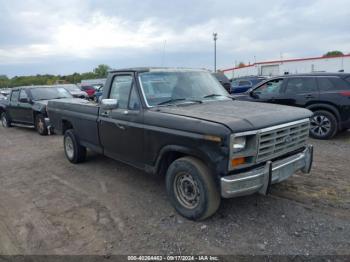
24,100
254,94
109,104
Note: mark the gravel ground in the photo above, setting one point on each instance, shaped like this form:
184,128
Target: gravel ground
49,206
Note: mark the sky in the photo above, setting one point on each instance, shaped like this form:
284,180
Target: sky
67,36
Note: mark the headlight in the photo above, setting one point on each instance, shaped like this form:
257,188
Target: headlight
239,143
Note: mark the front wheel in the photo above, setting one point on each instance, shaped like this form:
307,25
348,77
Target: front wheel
40,125
323,125
75,152
191,188
5,121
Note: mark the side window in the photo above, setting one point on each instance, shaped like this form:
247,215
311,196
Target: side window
347,79
324,84
270,87
120,90
14,96
301,85
134,102
244,83
23,95
234,83
338,84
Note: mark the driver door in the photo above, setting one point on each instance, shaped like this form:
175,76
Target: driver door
269,92
121,129
24,110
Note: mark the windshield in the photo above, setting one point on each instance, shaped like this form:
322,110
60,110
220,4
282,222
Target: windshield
46,93
180,86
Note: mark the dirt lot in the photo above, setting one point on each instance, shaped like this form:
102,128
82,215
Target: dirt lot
49,206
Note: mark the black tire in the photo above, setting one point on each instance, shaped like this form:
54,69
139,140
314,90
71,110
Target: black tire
5,121
198,178
324,125
74,152
40,125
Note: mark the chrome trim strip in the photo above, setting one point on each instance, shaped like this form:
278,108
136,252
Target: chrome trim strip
143,93
284,125
252,132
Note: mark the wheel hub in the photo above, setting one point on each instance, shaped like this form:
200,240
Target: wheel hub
186,190
4,121
69,147
320,125
40,125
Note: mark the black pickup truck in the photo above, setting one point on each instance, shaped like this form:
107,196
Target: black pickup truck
27,106
182,124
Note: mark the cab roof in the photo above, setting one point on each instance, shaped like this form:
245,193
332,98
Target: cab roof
31,87
156,69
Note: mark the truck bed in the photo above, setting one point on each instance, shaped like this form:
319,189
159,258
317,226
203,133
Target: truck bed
79,113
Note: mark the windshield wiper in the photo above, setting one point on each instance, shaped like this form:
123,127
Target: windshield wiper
214,95
170,101
179,99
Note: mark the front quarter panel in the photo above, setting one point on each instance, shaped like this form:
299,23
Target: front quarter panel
39,108
167,132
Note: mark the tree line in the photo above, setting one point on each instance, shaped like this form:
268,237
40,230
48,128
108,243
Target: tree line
100,71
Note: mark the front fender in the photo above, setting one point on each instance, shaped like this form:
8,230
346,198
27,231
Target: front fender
216,160
39,109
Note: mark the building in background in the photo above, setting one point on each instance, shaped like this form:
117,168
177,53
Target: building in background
292,66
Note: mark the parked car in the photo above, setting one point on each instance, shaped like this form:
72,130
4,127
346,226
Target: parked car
5,91
240,85
74,90
175,122
98,93
27,106
2,96
89,89
326,94
224,81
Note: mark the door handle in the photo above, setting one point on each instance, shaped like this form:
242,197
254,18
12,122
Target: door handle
120,126
309,96
106,114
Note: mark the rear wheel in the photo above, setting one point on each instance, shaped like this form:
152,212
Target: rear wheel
40,125
5,121
323,125
191,188
75,152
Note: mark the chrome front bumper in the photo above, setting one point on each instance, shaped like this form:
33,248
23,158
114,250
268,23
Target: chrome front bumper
260,179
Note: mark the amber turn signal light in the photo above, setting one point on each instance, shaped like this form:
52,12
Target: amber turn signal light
238,161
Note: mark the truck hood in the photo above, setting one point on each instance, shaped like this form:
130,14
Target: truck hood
239,115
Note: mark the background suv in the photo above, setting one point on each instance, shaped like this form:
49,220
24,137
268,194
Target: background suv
326,94
240,85
224,81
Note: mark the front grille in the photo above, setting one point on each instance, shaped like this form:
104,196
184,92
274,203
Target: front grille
276,142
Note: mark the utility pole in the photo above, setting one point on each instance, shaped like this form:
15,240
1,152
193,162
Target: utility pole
215,36
163,53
